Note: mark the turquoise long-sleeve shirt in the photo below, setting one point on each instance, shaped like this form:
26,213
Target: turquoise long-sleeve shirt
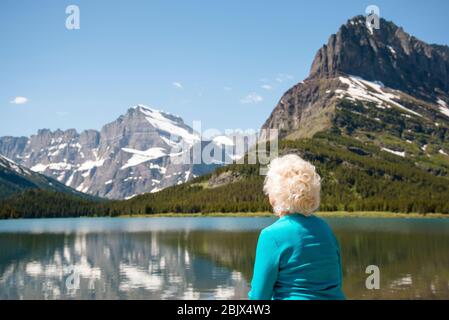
297,257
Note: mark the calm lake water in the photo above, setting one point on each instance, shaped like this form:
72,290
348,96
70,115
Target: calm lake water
205,258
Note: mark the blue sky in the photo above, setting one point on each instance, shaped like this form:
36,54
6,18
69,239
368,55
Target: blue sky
225,63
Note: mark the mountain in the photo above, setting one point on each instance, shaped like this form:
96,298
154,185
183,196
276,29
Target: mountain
15,179
142,151
383,87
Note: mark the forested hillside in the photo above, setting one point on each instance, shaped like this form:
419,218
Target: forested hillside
356,176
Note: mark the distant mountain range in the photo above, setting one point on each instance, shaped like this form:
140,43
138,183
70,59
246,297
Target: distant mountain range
373,116
132,155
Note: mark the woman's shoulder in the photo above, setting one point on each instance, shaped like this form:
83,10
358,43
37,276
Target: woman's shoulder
280,228
293,229
275,226
295,223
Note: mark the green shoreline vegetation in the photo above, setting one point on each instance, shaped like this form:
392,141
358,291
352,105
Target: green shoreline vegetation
330,214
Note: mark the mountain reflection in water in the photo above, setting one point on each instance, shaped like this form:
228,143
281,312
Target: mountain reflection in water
210,262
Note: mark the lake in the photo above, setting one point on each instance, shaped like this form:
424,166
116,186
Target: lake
205,258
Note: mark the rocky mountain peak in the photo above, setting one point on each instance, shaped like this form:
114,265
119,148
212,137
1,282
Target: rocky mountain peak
387,54
156,113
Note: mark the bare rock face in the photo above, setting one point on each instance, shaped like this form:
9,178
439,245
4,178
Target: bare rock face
137,153
305,109
224,178
385,68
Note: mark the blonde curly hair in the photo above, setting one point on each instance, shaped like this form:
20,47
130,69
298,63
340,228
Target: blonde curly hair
293,185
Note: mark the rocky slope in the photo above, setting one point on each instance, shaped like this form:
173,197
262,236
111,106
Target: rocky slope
15,179
144,150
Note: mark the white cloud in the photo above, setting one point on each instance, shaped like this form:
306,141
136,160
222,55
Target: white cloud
178,85
251,98
19,100
266,87
281,77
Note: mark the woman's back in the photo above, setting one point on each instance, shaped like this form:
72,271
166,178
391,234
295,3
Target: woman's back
297,257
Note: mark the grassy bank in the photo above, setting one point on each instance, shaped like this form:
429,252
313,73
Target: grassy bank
332,214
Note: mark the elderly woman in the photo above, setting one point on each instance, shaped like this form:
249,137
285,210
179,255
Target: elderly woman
298,256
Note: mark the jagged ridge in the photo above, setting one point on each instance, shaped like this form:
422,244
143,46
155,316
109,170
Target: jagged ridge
132,155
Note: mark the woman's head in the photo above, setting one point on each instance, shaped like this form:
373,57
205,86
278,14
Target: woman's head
292,185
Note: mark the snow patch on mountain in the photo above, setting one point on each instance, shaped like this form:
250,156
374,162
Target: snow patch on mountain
393,52
398,153
361,89
139,157
443,107
69,182
57,166
9,164
162,122
90,164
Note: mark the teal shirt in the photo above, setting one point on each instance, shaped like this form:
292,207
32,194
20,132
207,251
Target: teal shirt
297,257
